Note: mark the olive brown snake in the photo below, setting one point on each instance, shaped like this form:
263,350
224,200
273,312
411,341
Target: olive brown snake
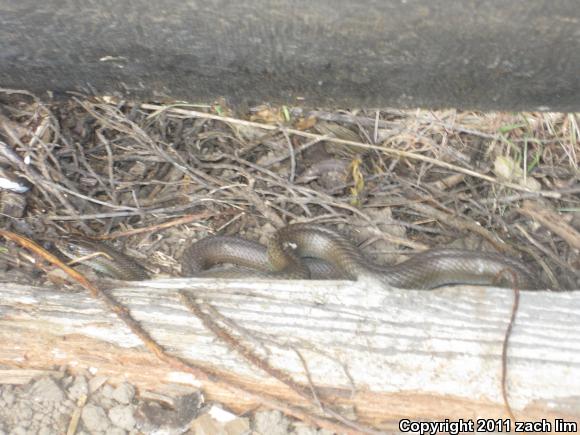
304,251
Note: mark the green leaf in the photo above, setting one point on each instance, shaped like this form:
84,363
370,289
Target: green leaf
509,127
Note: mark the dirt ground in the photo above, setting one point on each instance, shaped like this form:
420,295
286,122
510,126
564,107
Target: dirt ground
57,403
150,178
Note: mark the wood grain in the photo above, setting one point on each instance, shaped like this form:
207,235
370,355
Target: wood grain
378,355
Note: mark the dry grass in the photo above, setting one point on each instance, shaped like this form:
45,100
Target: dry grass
398,181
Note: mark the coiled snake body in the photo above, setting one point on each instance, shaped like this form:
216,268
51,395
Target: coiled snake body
426,270
311,251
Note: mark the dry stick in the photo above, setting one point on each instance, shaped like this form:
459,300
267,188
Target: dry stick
82,159
143,212
508,332
43,185
259,339
390,151
292,157
174,222
243,350
54,187
110,165
76,415
42,176
309,378
251,145
202,373
353,119
310,396
449,182
9,91
376,127
549,254
130,128
510,198
552,222
463,224
319,198
301,148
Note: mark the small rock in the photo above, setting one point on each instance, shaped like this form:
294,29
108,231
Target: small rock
48,419
124,393
239,426
221,415
67,381
107,391
303,429
151,416
116,431
206,425
95,418
39,412
8,397
46,390
103,400
271,423
122,416
79,388
66,407
24,413
41,407
19,431
96,383
45,430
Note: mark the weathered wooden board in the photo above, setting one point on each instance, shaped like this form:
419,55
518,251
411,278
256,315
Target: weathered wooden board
389,354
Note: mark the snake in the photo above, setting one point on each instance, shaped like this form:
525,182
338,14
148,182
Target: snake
101,257
308,251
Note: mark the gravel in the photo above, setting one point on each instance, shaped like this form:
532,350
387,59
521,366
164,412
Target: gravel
45,406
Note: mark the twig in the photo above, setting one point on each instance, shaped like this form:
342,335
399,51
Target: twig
153,228
507,335
548,253
310,396
552,222
389,151
301,148
292,157
462,224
